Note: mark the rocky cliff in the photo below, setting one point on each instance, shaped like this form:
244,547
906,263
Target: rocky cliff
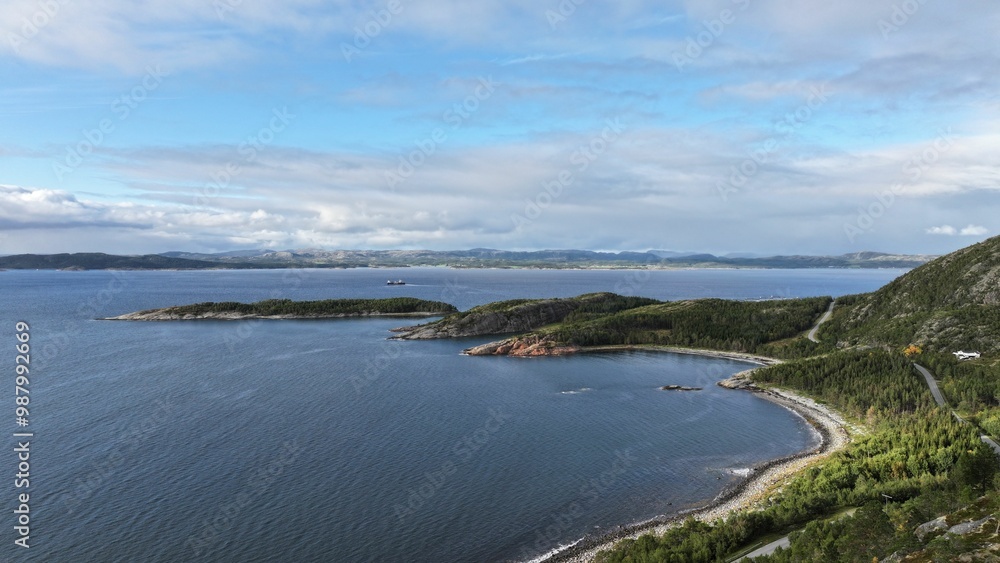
523,346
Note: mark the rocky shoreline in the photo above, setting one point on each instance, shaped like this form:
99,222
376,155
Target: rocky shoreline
763,480
539,345
741,356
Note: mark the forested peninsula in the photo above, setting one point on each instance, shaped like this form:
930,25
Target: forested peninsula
288,309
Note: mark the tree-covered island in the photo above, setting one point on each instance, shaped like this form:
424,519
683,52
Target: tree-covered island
288,309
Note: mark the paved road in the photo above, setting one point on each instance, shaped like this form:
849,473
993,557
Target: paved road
940,401
938,397
989,442
823,319
767,549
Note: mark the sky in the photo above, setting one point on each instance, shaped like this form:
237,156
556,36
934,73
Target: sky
762,126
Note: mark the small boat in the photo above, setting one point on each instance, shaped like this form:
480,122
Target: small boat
397,282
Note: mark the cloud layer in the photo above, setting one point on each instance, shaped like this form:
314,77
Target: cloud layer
719,125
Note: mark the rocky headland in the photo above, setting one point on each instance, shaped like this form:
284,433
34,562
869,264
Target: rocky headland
523,346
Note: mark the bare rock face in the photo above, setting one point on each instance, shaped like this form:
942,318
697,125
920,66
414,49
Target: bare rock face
523,347
966,528
938,524
740,380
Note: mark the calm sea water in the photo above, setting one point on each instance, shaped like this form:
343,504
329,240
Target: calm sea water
323,441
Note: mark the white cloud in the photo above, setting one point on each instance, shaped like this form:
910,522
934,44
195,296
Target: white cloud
947,230
974,231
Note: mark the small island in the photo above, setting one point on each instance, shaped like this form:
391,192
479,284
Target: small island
288,309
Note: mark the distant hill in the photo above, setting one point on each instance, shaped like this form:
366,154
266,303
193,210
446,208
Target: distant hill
99,261
949,303
474,258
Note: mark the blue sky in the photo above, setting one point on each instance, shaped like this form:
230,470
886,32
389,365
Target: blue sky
719,126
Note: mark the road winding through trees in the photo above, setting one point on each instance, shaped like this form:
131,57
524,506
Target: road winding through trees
939,398
823,319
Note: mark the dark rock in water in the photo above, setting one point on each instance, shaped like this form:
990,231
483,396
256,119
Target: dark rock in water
679,388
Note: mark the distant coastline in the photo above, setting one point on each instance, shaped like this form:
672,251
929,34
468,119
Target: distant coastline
459,259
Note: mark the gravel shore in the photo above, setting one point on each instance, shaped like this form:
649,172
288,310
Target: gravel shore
762,482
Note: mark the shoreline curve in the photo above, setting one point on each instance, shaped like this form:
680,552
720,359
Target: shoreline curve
746,494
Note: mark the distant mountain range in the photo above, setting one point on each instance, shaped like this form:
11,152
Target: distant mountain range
474,258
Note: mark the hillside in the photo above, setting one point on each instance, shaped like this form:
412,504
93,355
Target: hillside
520,315
950,303
99,261
731,326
